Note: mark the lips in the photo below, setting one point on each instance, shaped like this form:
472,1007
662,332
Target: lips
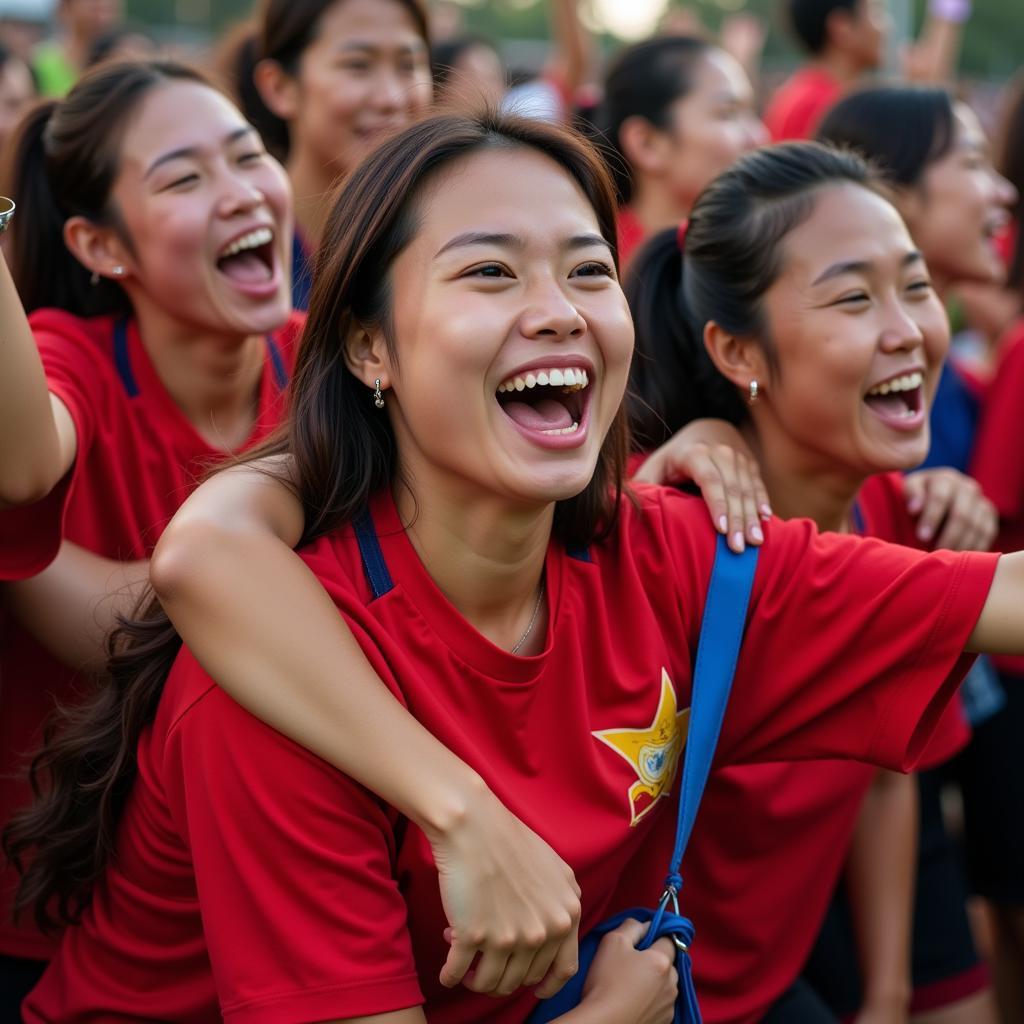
548,404
899,400
250,263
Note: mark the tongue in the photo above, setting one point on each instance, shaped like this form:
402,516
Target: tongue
245,268
547,414
889,406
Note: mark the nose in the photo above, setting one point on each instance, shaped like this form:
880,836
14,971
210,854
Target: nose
238,195
1006,192
390,92
900,331
757,132
549,315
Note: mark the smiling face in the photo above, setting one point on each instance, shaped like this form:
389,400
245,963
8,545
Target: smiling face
366,73
711,126
860,337
960,206
207,212
513,336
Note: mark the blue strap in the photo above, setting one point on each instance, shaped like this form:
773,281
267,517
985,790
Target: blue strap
277,362
121,358
373,558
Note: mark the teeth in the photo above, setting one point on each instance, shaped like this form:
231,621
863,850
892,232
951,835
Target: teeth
253,240
908,382
563,430
568,380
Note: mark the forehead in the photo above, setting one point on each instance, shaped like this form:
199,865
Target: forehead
157,125
966,126
721,74
847,223
506,190
375,22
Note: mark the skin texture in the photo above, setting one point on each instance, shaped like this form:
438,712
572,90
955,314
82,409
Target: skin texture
707,130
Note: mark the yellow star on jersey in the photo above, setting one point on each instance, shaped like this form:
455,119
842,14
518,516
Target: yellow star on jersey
653,752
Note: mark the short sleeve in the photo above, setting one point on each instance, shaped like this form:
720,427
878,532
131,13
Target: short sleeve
853,647
30,535
293,863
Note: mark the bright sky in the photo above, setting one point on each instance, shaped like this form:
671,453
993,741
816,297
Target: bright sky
629,19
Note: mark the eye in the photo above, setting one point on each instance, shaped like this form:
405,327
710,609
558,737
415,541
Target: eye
594,268
489,271
251,158
187,179
852,299
922,287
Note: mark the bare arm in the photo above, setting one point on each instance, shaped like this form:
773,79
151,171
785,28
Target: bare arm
1000,628
933,57
573,45
261,624
880,882
37,435
73,605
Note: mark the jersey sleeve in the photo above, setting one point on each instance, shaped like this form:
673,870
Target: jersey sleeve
853,647
30,535
293,861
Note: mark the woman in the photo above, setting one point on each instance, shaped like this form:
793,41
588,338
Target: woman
331,78
933,153
152,254
677,111
523,611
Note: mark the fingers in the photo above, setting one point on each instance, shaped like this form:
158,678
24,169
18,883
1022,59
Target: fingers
733,490
460,958
971,523
952,503
937,499
564,966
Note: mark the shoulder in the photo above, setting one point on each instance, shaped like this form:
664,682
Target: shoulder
882,500
56,324
78,354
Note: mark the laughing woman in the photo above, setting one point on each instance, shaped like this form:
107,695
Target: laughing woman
507,590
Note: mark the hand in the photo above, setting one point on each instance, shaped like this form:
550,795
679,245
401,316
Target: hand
948,498
508,897
713,454
629,985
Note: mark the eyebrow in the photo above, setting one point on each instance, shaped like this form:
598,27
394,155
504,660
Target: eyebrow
507,241
365,46
192,151
860,267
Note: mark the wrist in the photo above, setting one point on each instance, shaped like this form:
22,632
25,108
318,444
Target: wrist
894,997
452,800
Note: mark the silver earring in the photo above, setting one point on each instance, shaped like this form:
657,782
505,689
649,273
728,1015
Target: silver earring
118,271
378,397
94,278
755,391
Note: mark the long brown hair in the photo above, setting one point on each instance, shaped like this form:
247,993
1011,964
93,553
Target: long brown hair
63,161
343,450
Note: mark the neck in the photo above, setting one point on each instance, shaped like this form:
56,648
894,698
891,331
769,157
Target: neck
803,484
656,208
839,64
486,557
312,180
213,379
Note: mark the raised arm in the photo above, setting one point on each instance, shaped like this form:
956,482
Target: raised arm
261,624
1000,627
37,435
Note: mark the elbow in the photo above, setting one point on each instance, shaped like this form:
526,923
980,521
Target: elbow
185,553
26,489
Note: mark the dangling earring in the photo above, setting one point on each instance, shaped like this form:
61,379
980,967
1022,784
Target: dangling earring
118,271
94,278
378,398
755,392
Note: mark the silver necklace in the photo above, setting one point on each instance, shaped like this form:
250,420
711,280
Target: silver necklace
533,619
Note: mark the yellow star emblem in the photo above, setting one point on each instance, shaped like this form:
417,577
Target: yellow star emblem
652,752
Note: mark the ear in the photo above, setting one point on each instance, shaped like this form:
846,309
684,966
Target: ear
278,90
643,144
738,358
366,356
99,249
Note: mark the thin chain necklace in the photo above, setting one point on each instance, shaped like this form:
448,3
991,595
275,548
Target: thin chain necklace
533,619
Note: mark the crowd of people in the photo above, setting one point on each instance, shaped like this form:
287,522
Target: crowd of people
369,419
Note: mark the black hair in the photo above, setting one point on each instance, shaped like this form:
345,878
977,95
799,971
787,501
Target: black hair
901,129
732,256
809,20
644,81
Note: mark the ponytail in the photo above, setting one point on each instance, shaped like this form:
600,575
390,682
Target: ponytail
82,777
673,380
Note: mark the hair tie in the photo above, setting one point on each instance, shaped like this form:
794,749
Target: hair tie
681,235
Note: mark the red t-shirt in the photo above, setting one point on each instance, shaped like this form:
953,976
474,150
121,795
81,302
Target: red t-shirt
251,873
998,461
138,458
800,103
631,234
758,893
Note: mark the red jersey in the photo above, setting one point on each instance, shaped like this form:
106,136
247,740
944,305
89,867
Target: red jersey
630,232
255,881
138,458
800,103
998,461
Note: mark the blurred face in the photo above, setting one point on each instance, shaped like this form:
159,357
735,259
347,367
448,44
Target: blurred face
860,337
871,30
478,76
960,206
91,18
513,335
208,213
366,73
16,92
710,127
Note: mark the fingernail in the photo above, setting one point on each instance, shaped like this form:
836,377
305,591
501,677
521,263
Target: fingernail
723,524
737,542
766,511
756,534
924,533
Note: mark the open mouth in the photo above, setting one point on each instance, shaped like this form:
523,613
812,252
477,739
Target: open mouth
899,400
549,401
249,260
